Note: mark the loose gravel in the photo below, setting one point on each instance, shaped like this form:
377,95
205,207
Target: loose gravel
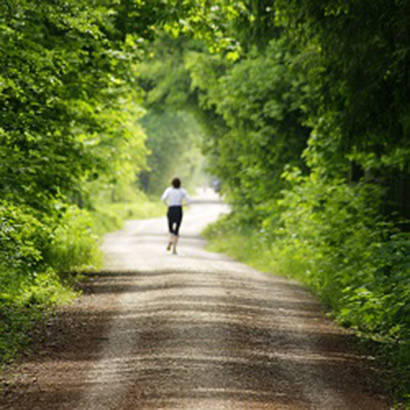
192,331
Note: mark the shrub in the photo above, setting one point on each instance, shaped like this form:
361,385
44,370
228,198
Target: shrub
22,238
74,246
327,233
31,252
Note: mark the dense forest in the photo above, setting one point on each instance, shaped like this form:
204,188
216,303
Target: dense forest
301,109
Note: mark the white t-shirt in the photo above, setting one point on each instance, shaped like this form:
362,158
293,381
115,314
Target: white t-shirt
174,196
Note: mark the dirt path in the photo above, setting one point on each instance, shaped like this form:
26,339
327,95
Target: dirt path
193,331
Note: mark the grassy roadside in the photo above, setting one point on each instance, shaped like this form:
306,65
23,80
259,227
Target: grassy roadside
109,217
28,294
246,245
27,307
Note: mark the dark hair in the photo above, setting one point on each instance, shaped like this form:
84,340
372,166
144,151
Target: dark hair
176,183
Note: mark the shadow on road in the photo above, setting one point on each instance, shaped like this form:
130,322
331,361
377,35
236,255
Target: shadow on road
189,347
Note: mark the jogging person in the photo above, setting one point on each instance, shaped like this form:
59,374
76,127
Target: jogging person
174,196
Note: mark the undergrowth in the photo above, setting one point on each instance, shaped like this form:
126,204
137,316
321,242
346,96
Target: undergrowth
109,217
374,304
41,255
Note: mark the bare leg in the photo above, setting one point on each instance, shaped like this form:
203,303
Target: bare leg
170,241
174,245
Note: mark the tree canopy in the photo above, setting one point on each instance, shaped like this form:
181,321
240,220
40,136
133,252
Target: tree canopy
301,108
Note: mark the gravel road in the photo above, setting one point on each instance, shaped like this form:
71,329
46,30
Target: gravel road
192,331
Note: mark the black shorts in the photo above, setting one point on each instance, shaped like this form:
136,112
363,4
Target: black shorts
174,219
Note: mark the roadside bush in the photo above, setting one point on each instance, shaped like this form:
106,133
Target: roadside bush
32,251
40,252
16,321
327,234
24,306
22,241
332,239
74,245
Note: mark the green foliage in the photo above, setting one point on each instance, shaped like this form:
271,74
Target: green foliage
173,131
236,237
363,47
332,224
22,238
40,93
15,325
74,246
258,100
25,304
110,216
359,267
173,138
70,141
38,258
28,283
311,144
304,115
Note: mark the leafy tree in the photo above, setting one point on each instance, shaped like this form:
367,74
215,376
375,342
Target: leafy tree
68,136
171,123
360,69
